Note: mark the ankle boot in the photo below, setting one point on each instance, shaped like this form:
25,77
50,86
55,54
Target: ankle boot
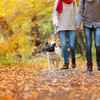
65,66
98,68
73,63
98,56
89,67
98,64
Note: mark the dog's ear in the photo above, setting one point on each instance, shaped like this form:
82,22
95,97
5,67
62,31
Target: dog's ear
54,44
46,43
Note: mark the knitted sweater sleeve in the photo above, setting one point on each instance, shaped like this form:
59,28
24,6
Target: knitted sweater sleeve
98,1
76,12
80,13
55,14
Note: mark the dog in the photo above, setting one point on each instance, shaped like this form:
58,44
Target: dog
53,54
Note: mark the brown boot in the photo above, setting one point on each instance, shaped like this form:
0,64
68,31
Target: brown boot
98,56
65,66
98,64
73,63
98,68
89,67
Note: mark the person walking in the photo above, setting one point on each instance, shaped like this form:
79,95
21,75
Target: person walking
89,12
64,20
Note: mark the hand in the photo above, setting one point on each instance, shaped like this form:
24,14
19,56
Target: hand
79,29
73,1
56,25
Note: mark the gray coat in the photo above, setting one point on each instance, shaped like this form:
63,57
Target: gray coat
90,13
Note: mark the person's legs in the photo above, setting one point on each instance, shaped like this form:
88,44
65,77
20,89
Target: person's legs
63,35
88,39
97,45
71,39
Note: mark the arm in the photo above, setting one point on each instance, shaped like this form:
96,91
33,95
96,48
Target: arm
55,14
80,13
76,12
98,1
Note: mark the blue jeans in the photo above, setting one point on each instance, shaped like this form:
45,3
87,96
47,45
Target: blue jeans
88,39
71,40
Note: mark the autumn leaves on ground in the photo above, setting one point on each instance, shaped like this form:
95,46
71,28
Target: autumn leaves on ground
25,26
35,82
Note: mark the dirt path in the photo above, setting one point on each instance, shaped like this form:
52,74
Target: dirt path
32,82
72,84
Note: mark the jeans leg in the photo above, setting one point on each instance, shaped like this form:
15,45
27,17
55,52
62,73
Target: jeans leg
71,39
97,44
88,39
62,35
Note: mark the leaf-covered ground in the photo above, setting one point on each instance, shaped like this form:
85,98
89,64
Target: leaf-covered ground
35,82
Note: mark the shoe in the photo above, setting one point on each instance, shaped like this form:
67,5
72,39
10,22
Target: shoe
73,63
65,66
99,68
98,64
89,67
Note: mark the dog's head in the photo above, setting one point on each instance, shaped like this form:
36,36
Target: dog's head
50,47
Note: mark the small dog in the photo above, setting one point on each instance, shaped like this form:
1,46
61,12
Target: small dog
53,54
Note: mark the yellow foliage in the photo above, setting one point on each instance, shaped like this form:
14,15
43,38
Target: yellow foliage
19,14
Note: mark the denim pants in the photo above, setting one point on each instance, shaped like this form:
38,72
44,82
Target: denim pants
88,39
71,40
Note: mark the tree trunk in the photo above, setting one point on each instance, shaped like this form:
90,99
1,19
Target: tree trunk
5,28
34,29
35,33
80,45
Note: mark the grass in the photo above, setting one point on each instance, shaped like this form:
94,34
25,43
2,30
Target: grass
40,58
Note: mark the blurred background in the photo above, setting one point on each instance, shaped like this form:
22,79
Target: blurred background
25,26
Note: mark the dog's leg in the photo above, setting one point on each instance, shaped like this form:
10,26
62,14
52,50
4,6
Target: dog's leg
56,66
49,64
48,57
57,63
53,64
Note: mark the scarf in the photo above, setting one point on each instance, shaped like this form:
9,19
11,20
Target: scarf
59,7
